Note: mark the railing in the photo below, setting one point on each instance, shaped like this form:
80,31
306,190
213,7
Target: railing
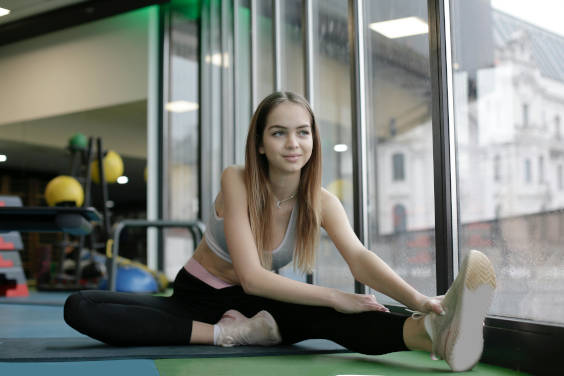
196,228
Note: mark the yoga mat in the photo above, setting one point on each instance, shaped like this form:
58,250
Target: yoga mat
84,348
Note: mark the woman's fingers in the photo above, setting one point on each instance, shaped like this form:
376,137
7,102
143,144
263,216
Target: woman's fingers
378,306
435,305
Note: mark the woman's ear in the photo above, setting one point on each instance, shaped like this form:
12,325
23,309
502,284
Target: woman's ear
261,149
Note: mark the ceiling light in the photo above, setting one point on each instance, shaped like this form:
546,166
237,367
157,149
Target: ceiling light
339,148
122,179
218,59
4,12
3,158
401,27
181,106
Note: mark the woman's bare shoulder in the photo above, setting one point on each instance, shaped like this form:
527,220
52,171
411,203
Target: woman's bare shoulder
233,174
329,202
233,181
327,197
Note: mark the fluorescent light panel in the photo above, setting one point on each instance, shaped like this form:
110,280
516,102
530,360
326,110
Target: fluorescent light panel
181,106
4,12
339,148
3,158
218,59
401,27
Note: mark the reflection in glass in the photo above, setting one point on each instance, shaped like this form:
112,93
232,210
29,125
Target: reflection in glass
401,225
292,46
242,90
265,51
508,85
333,111
181,144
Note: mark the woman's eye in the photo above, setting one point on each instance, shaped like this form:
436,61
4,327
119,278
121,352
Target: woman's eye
304,133
277,133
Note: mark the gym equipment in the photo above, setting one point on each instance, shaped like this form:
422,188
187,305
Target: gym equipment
81,164
78,142
64,190
196,228
12,277
113,168
76,221
131,278
341,188
159,277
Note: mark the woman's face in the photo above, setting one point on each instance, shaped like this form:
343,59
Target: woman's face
287,140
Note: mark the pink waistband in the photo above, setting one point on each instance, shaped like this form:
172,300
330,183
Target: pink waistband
197,270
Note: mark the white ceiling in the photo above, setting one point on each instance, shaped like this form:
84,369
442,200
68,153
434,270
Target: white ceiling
26,8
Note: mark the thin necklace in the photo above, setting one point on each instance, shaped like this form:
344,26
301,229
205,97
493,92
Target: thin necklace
280,202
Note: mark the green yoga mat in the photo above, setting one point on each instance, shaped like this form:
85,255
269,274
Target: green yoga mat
399,363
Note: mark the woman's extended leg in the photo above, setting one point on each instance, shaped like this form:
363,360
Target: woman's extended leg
368,332
415,335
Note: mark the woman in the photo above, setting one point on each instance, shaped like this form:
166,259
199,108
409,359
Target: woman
269,213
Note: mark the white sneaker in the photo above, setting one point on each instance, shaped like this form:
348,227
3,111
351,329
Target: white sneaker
457,336
235,329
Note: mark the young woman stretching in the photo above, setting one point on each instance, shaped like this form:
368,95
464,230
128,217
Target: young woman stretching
267,214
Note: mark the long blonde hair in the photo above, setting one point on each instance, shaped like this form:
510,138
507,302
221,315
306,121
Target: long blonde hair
259,192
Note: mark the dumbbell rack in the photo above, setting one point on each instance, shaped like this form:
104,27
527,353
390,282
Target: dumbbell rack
81,169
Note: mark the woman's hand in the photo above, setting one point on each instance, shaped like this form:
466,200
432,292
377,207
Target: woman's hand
355,303
428,305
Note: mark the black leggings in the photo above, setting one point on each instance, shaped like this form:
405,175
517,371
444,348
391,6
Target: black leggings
134,320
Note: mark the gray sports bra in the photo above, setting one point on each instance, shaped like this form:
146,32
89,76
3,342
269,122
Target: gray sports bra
281,256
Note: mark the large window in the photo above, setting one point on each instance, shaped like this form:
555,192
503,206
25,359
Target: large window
401,222
506,68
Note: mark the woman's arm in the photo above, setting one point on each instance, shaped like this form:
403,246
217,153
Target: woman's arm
256,280
365,265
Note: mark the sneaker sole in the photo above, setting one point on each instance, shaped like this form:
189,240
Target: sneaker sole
465,343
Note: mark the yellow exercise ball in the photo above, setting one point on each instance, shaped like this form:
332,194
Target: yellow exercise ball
64,189
341,188
113,168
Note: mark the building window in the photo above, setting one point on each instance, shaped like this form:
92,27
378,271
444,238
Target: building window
400,218
398,165
528,175
497,168
525,115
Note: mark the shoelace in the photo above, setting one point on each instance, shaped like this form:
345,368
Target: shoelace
416,315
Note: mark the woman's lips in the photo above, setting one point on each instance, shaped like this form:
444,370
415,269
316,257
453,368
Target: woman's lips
292,158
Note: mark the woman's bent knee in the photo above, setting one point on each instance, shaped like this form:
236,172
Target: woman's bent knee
72,308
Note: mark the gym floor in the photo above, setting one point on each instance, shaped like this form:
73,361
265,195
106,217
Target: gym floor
41,316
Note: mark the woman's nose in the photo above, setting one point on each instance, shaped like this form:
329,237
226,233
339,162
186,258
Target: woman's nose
291,142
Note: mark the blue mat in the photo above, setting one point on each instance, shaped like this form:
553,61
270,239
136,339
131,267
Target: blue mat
136,367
